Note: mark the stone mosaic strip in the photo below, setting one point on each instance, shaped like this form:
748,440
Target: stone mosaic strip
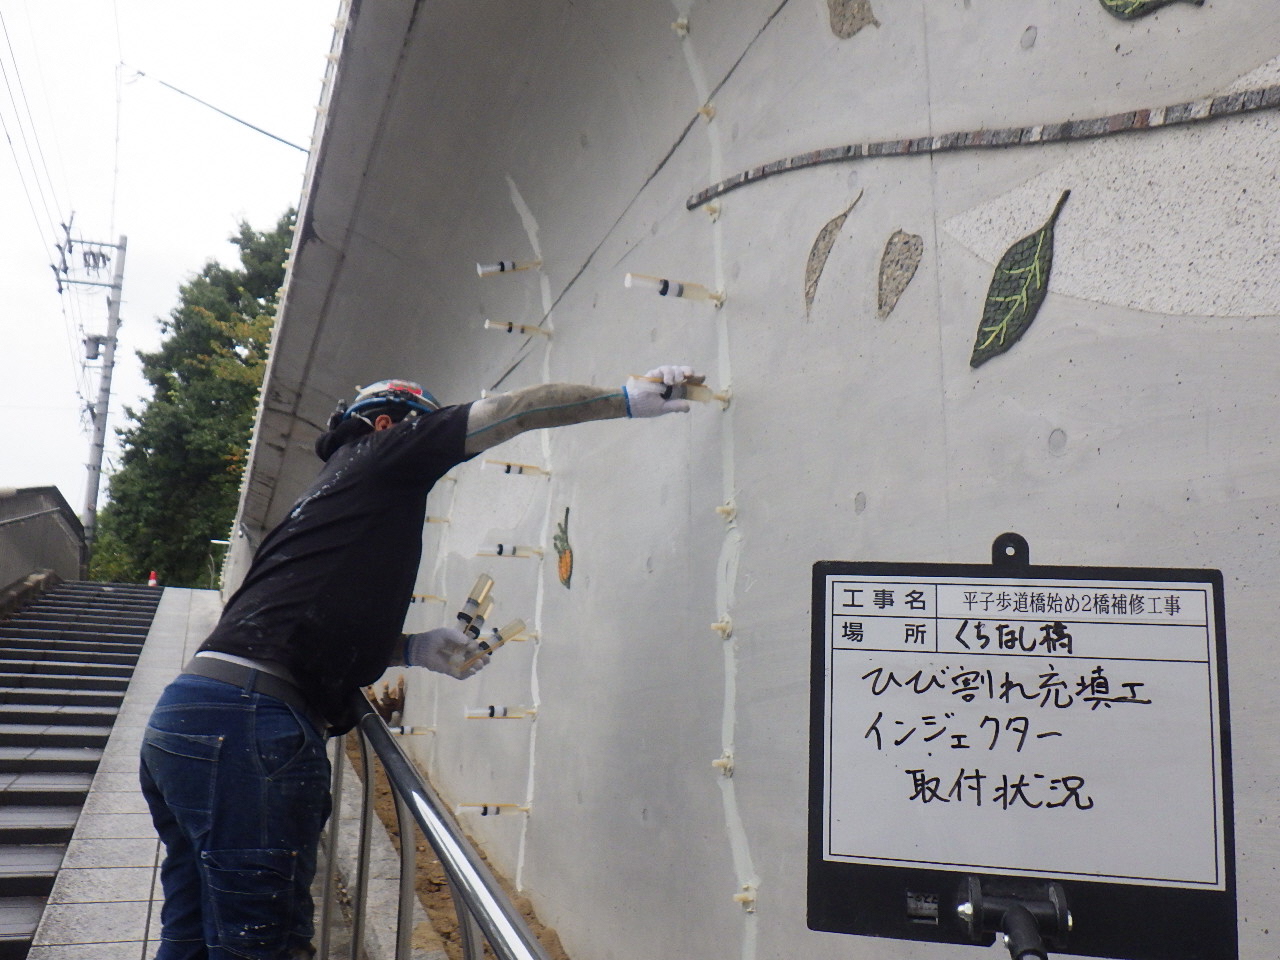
1193,111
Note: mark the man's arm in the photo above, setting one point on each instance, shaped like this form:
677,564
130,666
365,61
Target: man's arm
495,419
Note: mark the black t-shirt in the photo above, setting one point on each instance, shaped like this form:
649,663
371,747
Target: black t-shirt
328,589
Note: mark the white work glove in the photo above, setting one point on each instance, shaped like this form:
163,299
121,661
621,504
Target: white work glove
446,651
650,395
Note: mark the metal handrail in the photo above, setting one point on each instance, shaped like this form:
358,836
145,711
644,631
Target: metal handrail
480,902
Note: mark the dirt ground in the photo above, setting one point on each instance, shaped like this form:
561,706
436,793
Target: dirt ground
430,883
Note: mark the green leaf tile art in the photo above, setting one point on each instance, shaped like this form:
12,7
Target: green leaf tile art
1017,290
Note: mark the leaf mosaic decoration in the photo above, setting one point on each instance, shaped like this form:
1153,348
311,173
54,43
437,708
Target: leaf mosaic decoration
897,266
819,252
850,16
1133,9
1017,290
564,552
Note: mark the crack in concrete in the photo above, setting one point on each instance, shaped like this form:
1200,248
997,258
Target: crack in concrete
679,141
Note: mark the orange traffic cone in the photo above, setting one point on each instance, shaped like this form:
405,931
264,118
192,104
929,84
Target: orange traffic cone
151,581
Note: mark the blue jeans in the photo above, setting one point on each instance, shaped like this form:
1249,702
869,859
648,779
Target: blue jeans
238,786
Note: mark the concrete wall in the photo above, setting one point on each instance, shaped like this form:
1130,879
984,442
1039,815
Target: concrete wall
1133,424
38,531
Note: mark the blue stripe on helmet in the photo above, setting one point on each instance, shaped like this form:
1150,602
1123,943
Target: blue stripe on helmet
424,404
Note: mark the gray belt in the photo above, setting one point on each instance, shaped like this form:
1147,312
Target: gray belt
257,681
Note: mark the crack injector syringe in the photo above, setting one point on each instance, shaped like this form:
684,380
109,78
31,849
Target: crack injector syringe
476,607
694,388
497,639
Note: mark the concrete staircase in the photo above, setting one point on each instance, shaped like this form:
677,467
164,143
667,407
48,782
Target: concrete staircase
65,662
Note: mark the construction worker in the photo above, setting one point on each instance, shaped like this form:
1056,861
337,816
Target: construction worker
234,766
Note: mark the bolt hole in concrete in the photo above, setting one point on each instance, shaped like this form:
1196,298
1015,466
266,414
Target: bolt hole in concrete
859,502
1058,442
1029,38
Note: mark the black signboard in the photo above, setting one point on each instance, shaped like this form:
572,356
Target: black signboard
1012,744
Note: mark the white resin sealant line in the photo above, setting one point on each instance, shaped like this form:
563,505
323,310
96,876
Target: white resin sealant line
531,231
727,566
544,438
440,575
935,250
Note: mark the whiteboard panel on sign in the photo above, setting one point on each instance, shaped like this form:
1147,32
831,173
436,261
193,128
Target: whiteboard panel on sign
1024,727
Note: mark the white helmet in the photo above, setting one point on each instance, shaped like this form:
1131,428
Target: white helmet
404,393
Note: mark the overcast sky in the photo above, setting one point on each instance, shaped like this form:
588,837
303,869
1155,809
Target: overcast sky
130,157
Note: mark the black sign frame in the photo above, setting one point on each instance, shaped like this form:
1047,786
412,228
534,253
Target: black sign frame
1107,919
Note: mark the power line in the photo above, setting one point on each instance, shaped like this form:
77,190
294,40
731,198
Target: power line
44,92
23,180
115,159
17,113
31,120
81,347
75,342
36,406
72,329
115,15
77,369
230,116
115,155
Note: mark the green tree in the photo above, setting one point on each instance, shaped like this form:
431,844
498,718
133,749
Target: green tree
183,455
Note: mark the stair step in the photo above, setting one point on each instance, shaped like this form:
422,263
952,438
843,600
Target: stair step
48,735
28,667
28,870
60,696
84,602
99,633
23,647
123,615
85,608
106,654
62,714
80,681
67,633
128,621
87,658
43,789
37,824
88,607
99,586
92,615
19,917
126,618
49,759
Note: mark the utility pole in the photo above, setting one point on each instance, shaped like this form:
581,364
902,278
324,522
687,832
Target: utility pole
94,256
90,518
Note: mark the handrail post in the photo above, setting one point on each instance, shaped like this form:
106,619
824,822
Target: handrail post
331,849
408,873
474,886
360,894
472,939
